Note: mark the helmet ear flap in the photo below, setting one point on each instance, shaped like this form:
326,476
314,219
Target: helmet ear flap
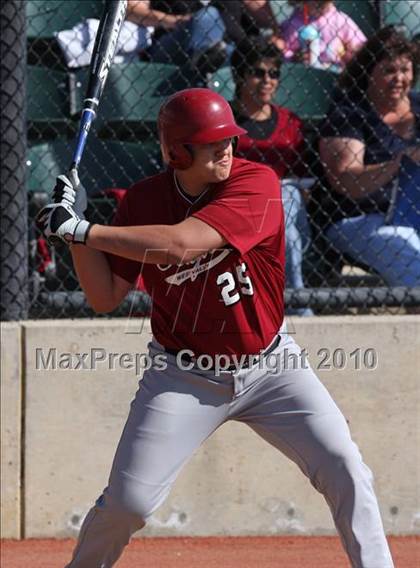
180,156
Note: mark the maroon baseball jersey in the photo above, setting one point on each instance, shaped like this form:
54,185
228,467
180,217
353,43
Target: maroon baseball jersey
228,301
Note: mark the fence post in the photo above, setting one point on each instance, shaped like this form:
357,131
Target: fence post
14,210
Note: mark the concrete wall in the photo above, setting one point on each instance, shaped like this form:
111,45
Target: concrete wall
11,383
236,483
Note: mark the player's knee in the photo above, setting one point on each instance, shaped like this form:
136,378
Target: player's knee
114,513
342,470
134,499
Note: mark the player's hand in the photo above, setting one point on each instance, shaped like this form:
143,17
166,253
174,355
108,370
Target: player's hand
70,191
59,222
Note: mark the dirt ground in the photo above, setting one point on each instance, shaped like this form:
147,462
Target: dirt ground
230,552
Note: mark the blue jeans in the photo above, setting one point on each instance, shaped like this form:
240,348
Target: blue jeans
202,31
297,239
393,251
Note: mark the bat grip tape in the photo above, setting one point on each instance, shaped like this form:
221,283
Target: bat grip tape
88,117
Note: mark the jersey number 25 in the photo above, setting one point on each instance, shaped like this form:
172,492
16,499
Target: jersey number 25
233,288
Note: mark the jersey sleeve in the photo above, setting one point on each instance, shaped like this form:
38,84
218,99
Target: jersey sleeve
126,268
248,210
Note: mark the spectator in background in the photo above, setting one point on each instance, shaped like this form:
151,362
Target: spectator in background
246,19
201,32
320,35
370,140
274,137
76,44
162,31
197,34
185,30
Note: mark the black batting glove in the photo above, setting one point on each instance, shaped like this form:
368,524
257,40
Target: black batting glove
59,222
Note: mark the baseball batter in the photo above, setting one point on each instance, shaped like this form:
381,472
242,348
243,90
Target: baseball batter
207,235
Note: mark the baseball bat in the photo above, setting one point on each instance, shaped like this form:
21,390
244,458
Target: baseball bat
103,54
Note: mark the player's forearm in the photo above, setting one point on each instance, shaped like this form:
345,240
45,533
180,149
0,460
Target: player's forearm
95,278
153,244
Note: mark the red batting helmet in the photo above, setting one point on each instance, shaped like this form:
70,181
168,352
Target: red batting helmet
194,116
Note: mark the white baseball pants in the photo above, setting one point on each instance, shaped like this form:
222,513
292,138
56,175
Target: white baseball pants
173,413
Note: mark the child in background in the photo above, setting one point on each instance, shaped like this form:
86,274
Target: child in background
320,35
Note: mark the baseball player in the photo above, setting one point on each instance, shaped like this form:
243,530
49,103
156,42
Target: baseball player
207,235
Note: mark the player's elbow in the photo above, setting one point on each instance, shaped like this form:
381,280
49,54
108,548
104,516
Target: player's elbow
104,304
107,298
102,307
182,251
191,239
177,255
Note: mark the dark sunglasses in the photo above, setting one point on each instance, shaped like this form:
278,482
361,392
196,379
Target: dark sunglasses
260,73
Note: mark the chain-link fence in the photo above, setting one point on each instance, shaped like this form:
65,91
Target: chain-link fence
347,159
13,226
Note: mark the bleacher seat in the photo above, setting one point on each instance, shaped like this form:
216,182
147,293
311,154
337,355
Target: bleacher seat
305,90
404,13
45,17
222,82
132,97
48,103
105,164
302,89
48,95
363,12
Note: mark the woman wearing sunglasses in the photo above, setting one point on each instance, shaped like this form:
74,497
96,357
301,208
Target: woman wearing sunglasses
274,137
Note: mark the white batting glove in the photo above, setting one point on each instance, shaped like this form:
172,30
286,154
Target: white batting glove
68,190
59,222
